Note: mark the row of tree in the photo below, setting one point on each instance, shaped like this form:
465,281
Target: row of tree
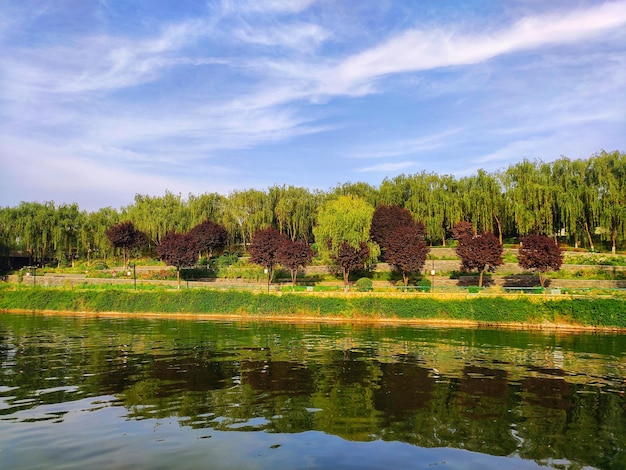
350,234
578,202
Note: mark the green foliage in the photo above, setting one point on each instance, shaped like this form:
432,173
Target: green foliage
346,219
605,312
594,259
582,201
363,284
99,265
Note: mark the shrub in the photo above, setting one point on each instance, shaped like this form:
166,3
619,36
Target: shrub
364,284
99,265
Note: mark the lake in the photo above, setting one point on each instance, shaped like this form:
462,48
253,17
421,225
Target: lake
108,393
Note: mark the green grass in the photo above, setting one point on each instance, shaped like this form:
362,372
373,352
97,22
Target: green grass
598,312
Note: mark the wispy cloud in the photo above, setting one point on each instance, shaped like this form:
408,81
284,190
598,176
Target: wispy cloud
424,49
386,167
256,80
297,36
397,148
267,6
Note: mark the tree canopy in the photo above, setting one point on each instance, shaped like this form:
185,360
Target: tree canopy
386,220
406,250
540,253
179,250
294,255
581,202
349,258
126,237
264,250
482,252
341,221
209,236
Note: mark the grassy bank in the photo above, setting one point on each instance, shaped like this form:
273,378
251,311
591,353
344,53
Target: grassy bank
592,312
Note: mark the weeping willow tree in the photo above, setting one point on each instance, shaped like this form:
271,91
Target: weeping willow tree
156,216
93,237
530,197
575,200
207,206
245,212
295,211
608,172
482,201
344,220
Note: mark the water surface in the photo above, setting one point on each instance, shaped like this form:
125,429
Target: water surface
110,393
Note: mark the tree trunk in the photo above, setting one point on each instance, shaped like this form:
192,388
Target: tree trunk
499,228
269,278
294,274
480,277
405,277
613,239
346,275
589,237
178,276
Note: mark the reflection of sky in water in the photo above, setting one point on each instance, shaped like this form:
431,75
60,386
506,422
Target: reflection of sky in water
96,434
182,394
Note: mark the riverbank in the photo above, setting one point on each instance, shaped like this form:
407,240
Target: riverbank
469,310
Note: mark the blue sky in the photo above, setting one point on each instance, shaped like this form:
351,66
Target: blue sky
100,100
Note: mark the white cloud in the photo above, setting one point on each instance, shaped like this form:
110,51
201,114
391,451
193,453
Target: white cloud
46,170
299,36
514,151
386,167
404,146
423,49
266,6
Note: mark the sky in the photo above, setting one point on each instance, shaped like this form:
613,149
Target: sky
102,100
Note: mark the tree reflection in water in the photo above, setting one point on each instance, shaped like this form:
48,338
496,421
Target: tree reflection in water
541,396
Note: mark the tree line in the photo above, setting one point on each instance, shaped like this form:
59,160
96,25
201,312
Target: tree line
581,203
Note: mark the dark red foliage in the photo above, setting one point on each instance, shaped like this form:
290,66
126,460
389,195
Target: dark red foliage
350,258
293,255
477,252
179,250
386,220
210,236
540,253
126,237
462,230
264,249
406,250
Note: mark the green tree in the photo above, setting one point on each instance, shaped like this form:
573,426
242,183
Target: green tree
295,210
157,216
66,229
530,196
360,190
246,212
575,200
608,171
482,202
346,219
93,235
207,206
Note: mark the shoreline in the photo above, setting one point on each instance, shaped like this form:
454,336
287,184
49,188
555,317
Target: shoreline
312,319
